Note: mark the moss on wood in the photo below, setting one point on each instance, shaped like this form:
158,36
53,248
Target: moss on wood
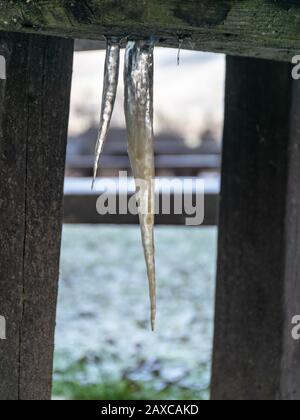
262,28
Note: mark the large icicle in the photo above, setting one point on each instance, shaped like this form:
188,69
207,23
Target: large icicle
111,78
138,78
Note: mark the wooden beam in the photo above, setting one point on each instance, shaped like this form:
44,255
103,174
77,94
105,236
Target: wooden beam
258,285
89,45
81,209
80,205
257,28
34,105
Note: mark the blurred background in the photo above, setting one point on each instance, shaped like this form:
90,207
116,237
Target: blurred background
104,346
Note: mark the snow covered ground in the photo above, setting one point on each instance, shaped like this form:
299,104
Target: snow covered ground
103,311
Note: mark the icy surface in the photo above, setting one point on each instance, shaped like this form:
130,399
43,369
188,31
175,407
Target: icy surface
110,85
138,80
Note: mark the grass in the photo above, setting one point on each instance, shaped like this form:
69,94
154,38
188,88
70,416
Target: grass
68,384
117,391
104,348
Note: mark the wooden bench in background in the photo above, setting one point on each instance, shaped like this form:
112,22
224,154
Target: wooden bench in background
173,157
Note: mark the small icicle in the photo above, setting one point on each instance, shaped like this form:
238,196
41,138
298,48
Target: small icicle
111,78
138,77
180,42
192,44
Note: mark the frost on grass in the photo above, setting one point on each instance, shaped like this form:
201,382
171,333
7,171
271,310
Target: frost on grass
102,318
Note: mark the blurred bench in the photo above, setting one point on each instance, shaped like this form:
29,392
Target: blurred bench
172,155
195,163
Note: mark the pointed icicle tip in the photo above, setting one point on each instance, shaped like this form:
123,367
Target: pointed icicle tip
180,42
93,183
153,322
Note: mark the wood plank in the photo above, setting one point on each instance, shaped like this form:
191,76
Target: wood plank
81,209
258,285
34,106
89,45
264,28
80,205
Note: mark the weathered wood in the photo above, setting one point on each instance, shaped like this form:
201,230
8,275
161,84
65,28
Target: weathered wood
89,45
34,107
264,28
258,287
80,206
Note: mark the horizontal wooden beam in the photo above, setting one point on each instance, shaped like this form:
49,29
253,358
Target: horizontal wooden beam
80,204
257,28
89,45
81,209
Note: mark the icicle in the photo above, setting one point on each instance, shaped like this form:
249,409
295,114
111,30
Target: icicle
111,78
138,79
192,44
180,42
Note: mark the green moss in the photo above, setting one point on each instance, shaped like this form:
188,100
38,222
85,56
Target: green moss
192,15
259,28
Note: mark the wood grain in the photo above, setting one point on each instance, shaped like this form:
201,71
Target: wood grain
256,28
34,106
258,284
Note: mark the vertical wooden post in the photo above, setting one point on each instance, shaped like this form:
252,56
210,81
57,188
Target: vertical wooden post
34,108
258,284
